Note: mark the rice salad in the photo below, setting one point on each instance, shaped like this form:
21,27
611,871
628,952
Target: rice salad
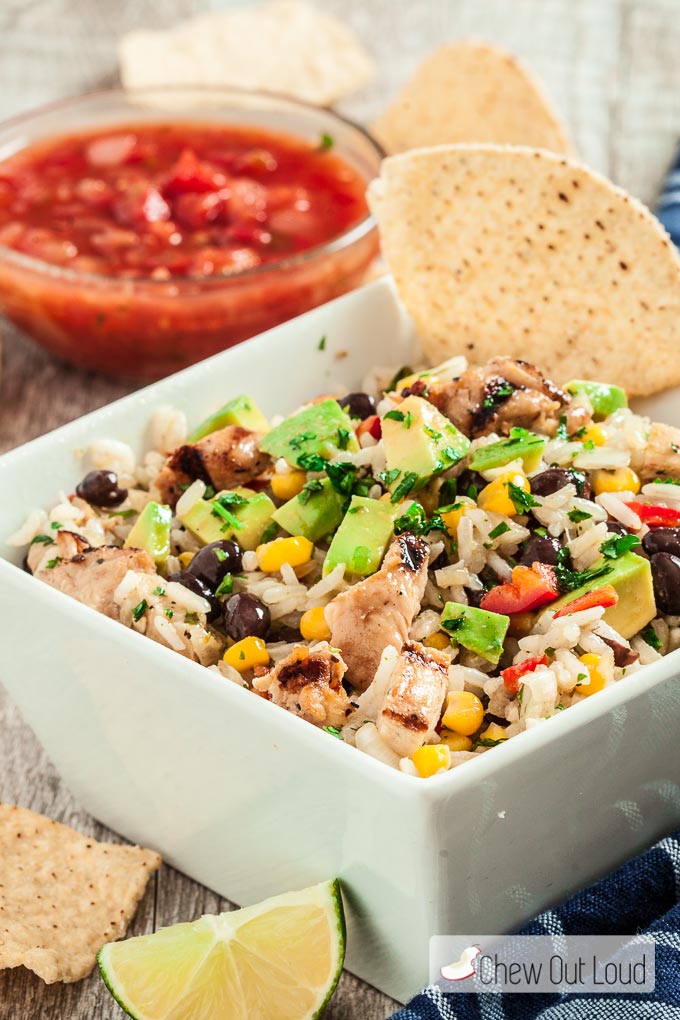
424,568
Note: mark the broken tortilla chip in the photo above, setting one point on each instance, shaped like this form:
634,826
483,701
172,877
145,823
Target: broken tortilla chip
471,92
285,46
521,251
62,895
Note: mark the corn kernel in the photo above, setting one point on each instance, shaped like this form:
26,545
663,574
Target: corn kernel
313,626
185,558
617,480
597,680
495,497
247,654
594,434
430,758
456,741
464,713
288,485
295,551
493,732
438,640
452,519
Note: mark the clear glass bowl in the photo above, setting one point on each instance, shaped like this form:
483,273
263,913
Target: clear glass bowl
145,328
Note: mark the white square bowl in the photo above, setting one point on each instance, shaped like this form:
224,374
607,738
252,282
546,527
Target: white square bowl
252,801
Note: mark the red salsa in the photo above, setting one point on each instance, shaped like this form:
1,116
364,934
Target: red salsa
175,200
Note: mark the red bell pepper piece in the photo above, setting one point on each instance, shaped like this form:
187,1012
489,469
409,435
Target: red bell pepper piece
605,596
530,588
372,425
513,674
655,516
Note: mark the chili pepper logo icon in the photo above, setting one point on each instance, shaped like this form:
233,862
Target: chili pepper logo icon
464,967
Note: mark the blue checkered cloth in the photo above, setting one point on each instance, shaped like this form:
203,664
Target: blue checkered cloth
668,204
643,896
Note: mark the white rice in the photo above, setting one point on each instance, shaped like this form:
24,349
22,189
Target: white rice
190,497
167,429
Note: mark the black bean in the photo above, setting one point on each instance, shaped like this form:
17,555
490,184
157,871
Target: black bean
470,483
213,562
552,479
245,616
617,529
540,549
623,653
100,488
475,597
662,540
666,577
198,587
358,405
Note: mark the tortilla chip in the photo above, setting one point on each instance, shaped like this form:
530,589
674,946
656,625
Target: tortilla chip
471,92
520,252
62,895
285,46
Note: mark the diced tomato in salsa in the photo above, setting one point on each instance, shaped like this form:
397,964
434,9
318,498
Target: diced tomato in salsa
226,197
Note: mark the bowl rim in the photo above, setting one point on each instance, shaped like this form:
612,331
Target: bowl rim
346,239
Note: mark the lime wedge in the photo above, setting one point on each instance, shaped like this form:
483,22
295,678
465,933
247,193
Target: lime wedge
281,958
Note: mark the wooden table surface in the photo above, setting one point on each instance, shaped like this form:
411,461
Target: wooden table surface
612,68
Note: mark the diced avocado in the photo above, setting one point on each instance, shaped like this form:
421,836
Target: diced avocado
362,537
419,442
244,522
314,512
151,531
521,443
477,630
322,429
240,411
603,398
631,575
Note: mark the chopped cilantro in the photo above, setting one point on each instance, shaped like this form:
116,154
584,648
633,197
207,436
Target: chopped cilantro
51,564
269,532
169,613
343,438
226,585
395,415
242,656
417,522
589,445
327,142
541,532
408,420
559,708
42,540
139,610
209,492
488,742
675,448
657,481
312,462
562,431
405,485
230,519
56,525
221,555
520,694
581,678
191,618
451,626
322,344
387,477
303,437
651,637
342,477
617,545
308,490
570,580
126,513
333,730
521,500
499,530
500,393
433,434
576,516
158,591
448,491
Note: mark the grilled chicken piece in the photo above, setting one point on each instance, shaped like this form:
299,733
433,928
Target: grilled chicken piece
505,394
224,459
308,683
92,575
661,456
379,611
414,699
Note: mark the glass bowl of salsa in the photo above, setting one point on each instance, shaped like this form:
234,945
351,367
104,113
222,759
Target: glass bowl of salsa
142,232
